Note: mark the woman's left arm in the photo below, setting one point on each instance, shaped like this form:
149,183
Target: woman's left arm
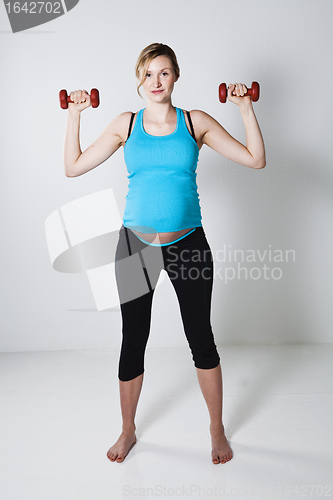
216,137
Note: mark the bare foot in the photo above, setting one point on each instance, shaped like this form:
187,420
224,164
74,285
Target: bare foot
221,451
121,448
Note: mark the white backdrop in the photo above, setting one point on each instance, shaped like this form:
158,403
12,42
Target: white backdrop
287,47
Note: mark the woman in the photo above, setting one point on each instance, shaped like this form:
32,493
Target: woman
163,215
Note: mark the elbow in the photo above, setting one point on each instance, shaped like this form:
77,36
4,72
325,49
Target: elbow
69,174
70,167
261,165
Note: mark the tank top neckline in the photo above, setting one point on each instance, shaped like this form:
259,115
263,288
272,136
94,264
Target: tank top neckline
159,136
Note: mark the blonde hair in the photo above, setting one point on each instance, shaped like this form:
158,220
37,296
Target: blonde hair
147,55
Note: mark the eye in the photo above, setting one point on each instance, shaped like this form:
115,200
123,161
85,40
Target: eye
147,75
165,73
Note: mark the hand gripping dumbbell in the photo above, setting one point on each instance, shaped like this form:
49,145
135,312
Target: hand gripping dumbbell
253,92
65,99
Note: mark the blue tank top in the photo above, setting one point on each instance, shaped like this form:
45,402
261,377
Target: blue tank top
162,190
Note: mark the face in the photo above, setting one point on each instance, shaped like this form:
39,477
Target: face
160,78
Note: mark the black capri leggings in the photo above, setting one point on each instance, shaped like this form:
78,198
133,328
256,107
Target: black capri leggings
189,264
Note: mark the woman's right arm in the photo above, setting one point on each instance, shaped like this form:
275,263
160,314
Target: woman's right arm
78,163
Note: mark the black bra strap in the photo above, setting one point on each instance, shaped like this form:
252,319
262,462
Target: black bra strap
130,125
128,243
191,125
188,116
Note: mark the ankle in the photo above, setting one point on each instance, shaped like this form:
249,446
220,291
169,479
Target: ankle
129,428
216,427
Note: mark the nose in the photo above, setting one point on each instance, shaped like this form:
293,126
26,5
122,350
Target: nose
156,81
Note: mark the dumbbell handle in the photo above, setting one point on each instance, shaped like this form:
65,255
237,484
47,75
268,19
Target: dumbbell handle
69,99
65,99
254,92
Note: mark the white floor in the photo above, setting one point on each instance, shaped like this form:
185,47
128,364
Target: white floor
60,413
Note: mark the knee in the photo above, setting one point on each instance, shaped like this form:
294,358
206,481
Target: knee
206,358
126,375
131,364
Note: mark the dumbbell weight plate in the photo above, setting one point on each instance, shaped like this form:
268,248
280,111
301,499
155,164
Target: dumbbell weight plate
255,91
223,92
94,97
63,97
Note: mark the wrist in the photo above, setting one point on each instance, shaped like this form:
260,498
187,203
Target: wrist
246,107
73,111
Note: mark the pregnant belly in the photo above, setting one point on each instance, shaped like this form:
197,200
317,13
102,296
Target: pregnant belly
160,238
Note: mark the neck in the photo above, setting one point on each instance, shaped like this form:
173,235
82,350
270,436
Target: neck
159,111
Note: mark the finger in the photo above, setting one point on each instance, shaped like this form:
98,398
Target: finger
236,90
240,89
231,88
85,96
81,97
243,89
78,97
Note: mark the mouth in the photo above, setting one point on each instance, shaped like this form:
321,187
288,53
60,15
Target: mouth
157,91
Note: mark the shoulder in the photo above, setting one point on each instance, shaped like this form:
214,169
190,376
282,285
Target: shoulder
120,124
199,116
124,118
201,120
121,120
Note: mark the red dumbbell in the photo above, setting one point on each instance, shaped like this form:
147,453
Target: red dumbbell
65,99
253,92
